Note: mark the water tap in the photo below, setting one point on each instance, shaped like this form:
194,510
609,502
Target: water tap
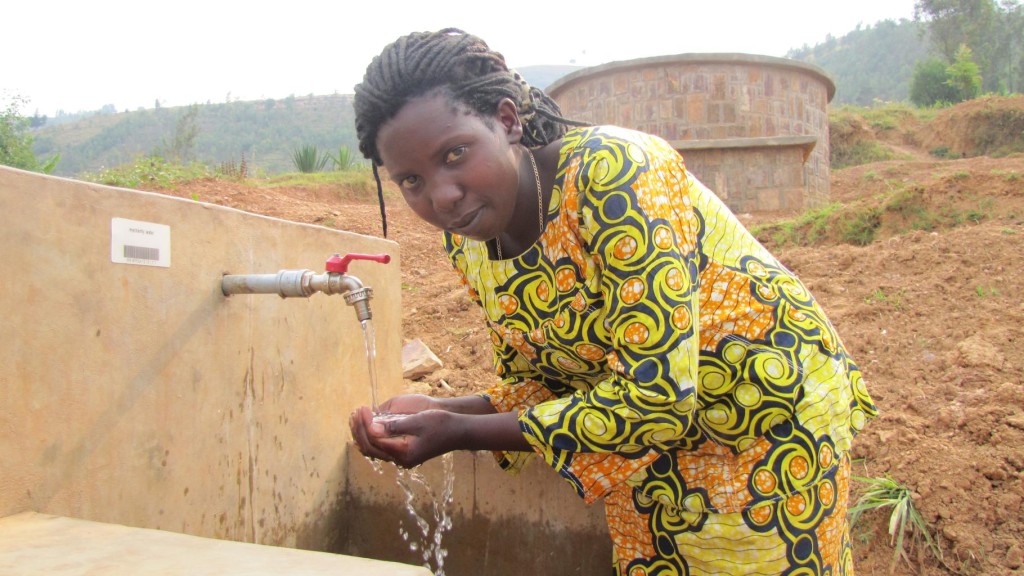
304,283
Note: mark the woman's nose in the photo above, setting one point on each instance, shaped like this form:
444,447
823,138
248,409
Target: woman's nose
445,196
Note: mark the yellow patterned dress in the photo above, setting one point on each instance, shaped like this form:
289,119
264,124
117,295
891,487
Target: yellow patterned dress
661,359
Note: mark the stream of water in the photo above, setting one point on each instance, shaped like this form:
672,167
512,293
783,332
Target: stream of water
371,359
426,534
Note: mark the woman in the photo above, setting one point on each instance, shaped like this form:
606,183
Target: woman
650,349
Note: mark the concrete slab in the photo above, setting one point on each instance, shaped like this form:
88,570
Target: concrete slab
33,543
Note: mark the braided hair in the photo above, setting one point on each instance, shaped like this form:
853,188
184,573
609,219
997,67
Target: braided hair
459,65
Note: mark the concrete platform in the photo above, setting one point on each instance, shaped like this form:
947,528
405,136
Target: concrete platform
33,543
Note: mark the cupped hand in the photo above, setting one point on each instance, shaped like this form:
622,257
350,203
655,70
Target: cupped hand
408,441
409,404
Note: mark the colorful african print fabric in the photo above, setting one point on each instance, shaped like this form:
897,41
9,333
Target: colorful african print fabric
660,358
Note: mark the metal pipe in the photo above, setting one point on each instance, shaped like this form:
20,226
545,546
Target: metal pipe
303,284
286,284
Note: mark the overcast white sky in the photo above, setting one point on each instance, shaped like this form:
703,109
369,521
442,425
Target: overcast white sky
76,55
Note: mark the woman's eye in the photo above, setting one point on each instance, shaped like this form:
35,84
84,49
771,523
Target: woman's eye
410,182
454,154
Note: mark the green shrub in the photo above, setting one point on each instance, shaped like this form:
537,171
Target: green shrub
930,86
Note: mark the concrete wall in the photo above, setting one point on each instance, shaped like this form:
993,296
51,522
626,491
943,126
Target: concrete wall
754,128
142,396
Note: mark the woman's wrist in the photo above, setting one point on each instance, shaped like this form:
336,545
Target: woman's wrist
470,405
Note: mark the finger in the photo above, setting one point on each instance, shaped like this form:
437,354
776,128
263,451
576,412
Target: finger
402,425
366,445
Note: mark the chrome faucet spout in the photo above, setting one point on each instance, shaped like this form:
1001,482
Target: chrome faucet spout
305,283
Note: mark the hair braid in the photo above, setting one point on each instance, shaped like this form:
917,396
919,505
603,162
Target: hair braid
460,65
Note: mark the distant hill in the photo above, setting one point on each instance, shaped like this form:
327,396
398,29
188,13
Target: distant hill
265,132
872,63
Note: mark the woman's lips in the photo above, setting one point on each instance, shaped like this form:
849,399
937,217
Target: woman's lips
465,221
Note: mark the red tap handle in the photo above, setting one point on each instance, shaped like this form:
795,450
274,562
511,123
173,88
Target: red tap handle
339,263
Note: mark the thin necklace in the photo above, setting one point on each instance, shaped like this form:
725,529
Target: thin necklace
540,203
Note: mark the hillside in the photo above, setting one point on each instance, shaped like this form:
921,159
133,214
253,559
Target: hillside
264,133
930,308
872,63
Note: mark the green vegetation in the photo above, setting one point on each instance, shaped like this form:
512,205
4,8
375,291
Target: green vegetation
157,173
149,172
309,159
904,518
990,29
860,227
997,131
345,159
964,75
880,297
848,225
861,152
855,132
900,209
358,183
930,84
16,140
986,291
808,228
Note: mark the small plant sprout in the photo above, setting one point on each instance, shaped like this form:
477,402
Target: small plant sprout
904,518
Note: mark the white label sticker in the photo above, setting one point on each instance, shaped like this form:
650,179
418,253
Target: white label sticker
140,243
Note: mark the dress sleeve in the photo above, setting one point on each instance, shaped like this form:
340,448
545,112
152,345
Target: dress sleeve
637,222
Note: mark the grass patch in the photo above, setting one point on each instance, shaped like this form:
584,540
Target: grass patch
358,183
985,291
878,296
149,172
862,225
861,152
808,228
905,521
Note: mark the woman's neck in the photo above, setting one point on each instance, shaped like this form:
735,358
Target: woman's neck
526,227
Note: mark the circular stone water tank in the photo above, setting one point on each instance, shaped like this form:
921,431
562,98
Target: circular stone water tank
752,128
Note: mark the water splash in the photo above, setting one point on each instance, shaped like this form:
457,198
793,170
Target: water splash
429,529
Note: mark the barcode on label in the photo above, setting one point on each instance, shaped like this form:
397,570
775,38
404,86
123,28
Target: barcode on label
142,253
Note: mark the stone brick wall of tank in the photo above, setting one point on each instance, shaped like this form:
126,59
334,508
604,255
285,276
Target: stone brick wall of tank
693,101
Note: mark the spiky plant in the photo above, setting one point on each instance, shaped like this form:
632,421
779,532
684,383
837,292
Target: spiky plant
308,159
345,160
904,518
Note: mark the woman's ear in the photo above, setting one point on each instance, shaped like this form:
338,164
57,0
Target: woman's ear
508,117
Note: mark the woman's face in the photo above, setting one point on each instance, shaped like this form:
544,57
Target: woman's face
457,170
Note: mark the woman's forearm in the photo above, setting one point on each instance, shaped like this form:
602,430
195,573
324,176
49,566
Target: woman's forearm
495,431
466,405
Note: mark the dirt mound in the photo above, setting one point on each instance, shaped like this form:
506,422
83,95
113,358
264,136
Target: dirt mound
884,199
992,126
930,307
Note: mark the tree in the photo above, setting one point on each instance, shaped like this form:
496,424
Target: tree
963,75
991,29
930,84
183,146
16,140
